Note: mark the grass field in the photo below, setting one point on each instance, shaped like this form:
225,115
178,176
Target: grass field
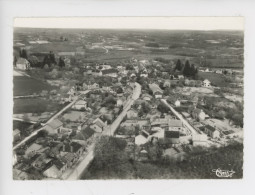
216,79
35,105
27,86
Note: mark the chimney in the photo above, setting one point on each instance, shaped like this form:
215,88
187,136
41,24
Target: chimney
71,148
64,148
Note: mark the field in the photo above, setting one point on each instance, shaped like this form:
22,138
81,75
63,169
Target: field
27,86
35,105
217,48
216,79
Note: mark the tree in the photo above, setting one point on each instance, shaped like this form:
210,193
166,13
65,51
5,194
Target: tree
163,108
61,62
34,62
178,65
42,133
108,151
53,74
23,53
187,69
52,57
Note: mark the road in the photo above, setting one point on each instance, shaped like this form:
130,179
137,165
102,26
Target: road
20,119
77,172
26,96
110,130
81,165
51,119
178,115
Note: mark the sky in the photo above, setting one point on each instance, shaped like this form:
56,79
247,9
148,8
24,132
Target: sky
168,23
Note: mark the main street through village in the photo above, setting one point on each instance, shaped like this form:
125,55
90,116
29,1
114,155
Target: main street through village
77,172
178,115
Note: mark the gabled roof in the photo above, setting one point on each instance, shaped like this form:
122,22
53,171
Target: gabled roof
80,102
206,81
87,132
76,146
99,124
199,137
155,88
59,164
172,134
197,111
69,157
55,124
174,123
15,132
21,61
210,128
109,71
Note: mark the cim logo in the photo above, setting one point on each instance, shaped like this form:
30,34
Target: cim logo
223,173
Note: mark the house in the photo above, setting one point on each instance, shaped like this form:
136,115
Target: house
146,97
198,114
22,64
157,92
172,138
180,77
86,132
199,140
167,83
175,125
211,131
159,122
85,86
132,113
80,105
158,132
110,73
54,126
132,75
206,83
71,91
33,149
89,72
16,135
56,170
129,123
119,102
219,71
98,126
101,120
41,162
93,86
96,73
177,103
143,155
144,74
105,67
19,175
142,138
73,147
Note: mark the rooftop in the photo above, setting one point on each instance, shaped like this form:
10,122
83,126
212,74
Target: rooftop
55,123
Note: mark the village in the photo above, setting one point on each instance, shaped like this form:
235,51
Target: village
173,106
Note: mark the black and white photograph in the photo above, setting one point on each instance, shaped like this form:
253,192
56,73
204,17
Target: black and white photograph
128,98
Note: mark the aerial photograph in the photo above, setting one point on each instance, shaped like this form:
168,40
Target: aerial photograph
127,103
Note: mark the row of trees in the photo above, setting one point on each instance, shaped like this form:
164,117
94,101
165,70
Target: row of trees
187,69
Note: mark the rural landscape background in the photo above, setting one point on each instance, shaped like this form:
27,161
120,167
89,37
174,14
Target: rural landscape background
127,104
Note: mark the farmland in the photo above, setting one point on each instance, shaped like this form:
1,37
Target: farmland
35,105
27,86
